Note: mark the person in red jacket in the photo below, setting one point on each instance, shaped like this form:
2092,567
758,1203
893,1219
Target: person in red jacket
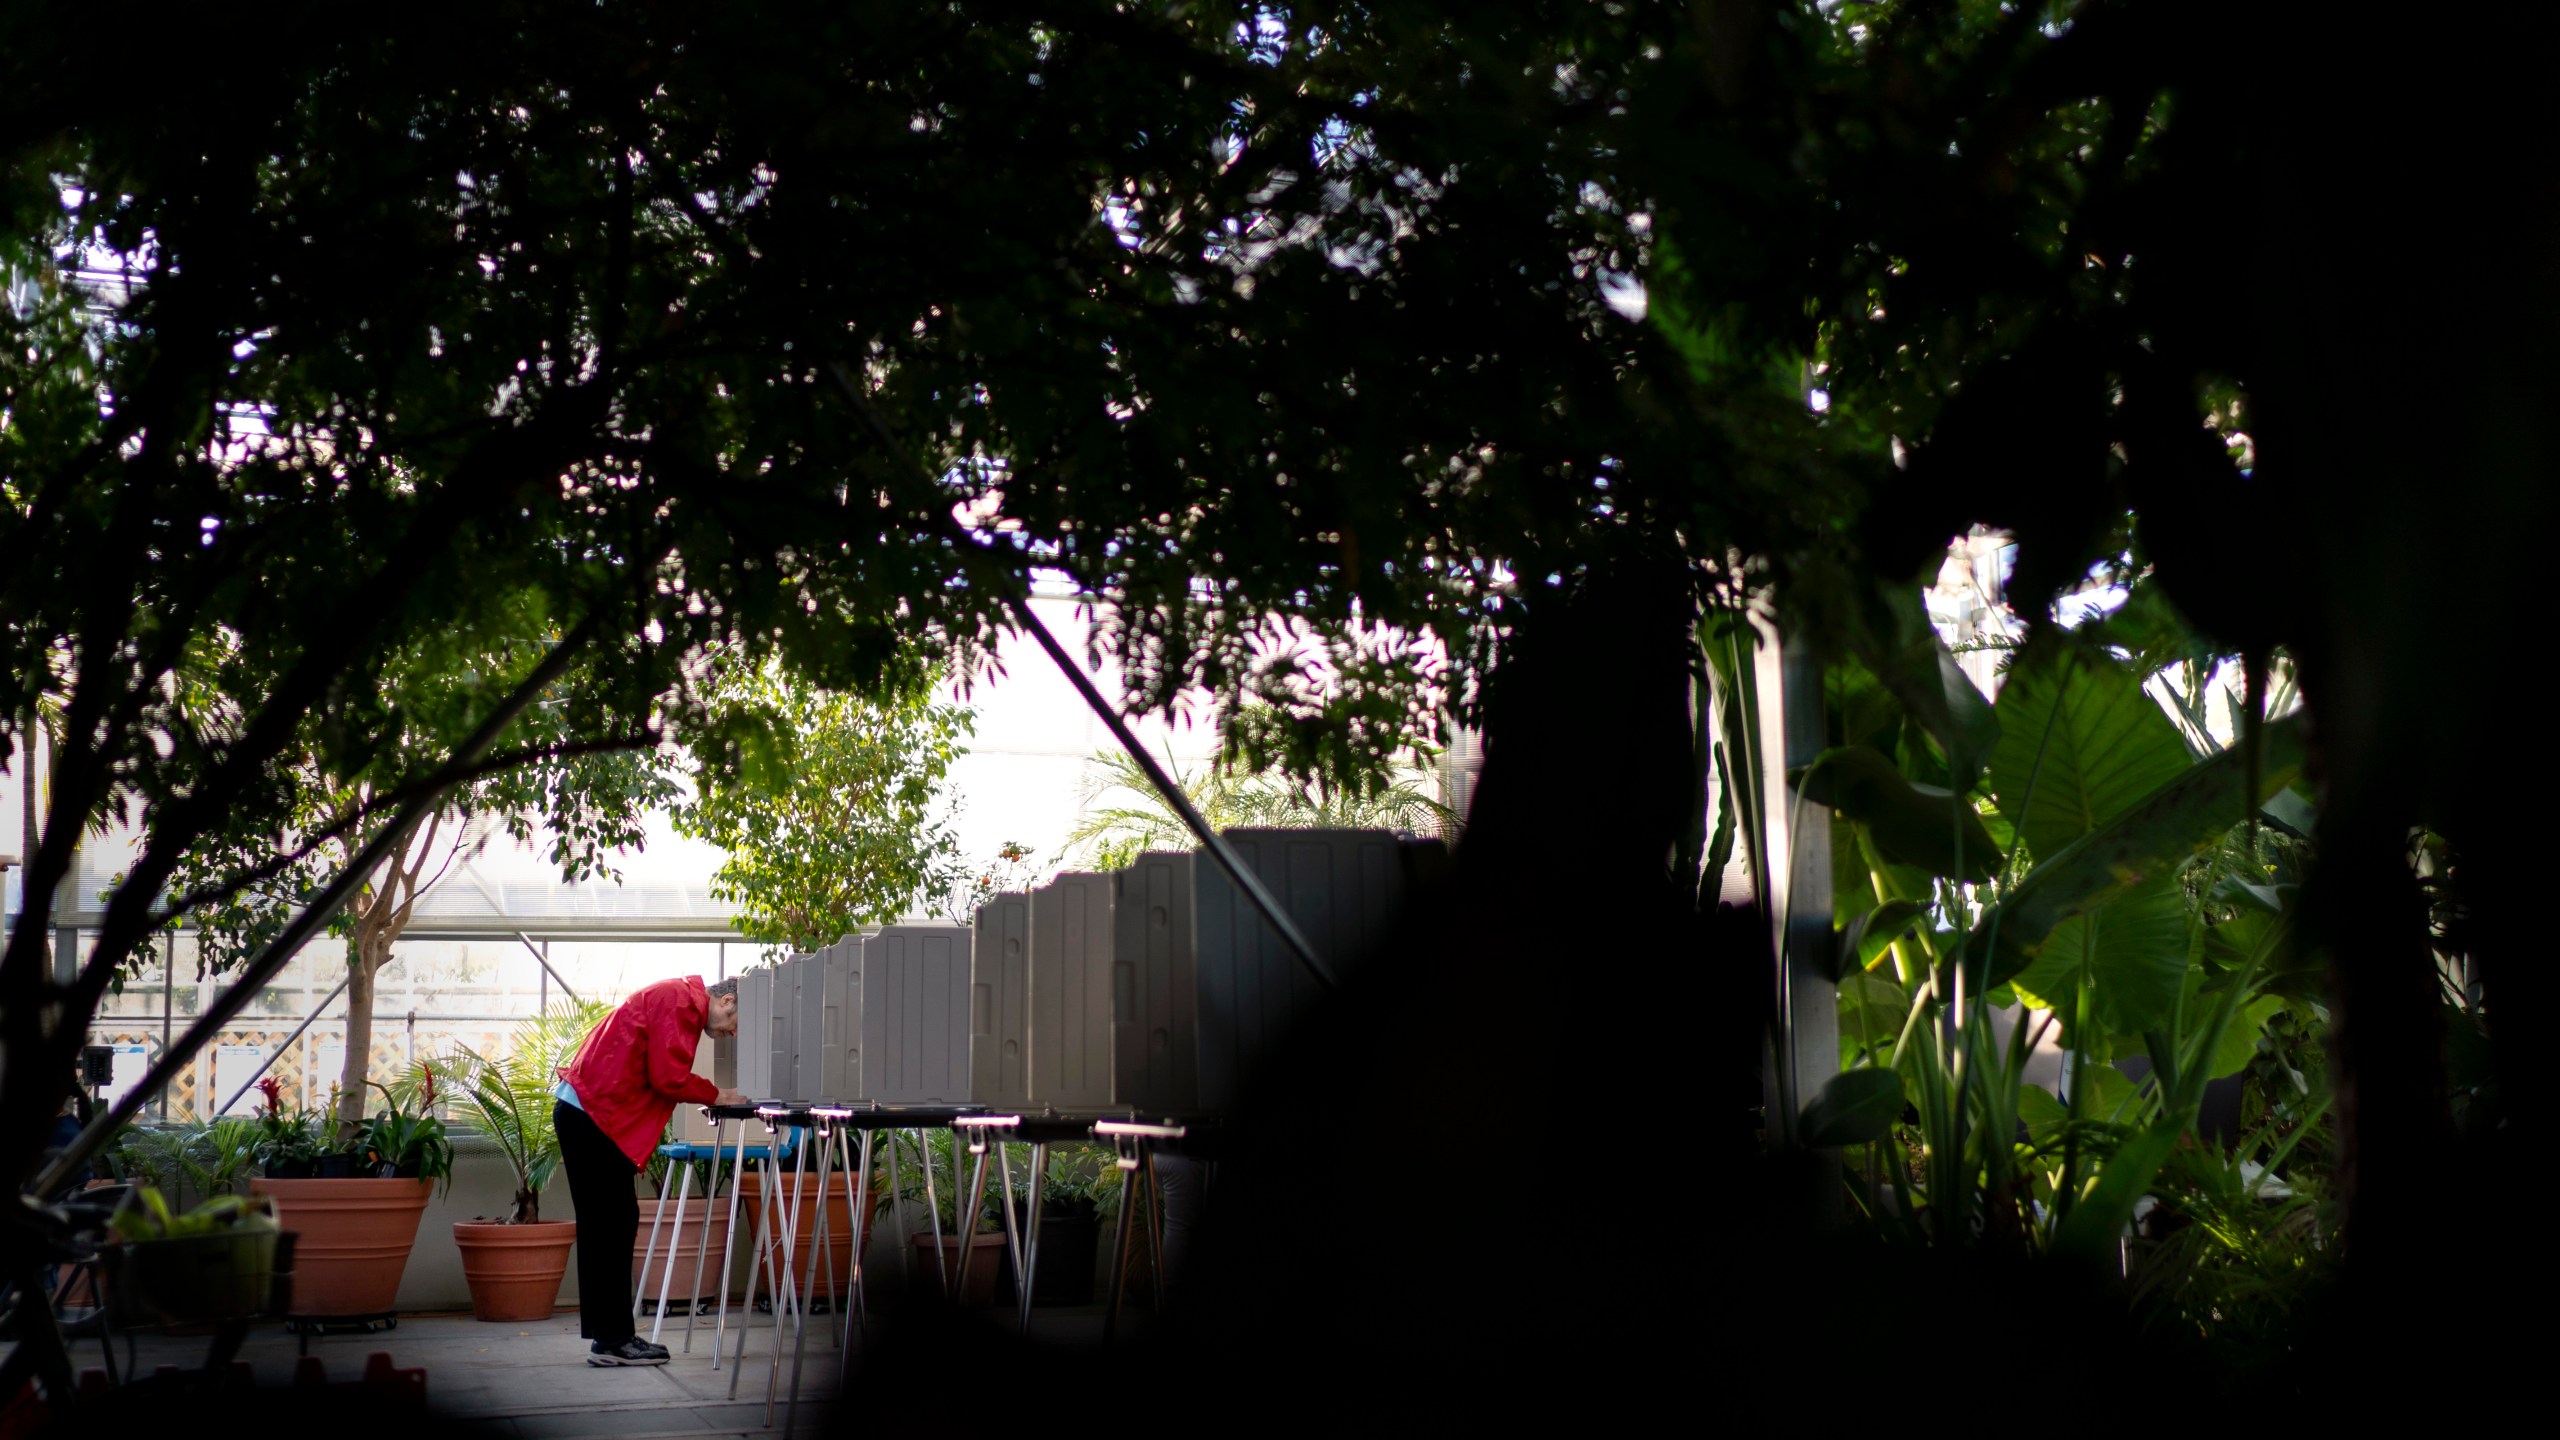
613,1103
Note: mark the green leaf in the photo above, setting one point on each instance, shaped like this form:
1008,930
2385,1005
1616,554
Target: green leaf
1916,825
2080,744
2090,1233
2135,950
1915,665
2042,1114
1854,1108
2153,837
1869,934
2289,809
2239,1043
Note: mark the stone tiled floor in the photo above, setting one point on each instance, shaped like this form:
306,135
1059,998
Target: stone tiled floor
532,1380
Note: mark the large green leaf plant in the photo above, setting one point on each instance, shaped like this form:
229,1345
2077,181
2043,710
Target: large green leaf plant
2100,874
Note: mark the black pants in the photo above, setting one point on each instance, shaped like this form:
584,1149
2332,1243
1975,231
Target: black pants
608,1222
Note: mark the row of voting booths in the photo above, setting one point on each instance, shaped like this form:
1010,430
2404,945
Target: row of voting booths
1151,989
1147,993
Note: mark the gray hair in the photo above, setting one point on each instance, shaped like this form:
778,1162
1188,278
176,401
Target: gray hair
722,989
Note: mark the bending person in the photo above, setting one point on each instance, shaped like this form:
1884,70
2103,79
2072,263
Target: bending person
614,1102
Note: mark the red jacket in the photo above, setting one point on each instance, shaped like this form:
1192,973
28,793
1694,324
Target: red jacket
637,1066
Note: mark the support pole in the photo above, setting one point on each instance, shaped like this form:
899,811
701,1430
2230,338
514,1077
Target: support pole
1017,598
1808,1025
545,962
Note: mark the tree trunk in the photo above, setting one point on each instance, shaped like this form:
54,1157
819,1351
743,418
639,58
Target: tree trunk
357,1066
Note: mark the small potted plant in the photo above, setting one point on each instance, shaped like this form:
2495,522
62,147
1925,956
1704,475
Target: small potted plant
915,1153
212,1263
1076,1197
514,1262
355,1208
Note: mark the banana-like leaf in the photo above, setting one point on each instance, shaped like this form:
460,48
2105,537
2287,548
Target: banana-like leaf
2080,743
1853,1108
2152,837
1911,824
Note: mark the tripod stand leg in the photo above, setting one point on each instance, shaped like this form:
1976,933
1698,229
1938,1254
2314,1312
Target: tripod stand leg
966,1222
667,1263
821,1257
860,1209
657,1218
1120,1253
1027,1273
702,1247
728,1243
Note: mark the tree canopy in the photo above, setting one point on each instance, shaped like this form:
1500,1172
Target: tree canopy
1365,339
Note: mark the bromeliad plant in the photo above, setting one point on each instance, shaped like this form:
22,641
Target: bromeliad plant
508,1098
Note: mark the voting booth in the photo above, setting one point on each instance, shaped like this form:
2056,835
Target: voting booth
754,1045
915,1015
1155,1063
840,1036
1342,887
1070,977
999,990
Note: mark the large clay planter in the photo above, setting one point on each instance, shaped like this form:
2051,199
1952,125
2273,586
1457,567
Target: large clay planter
514,1270
804,1236
354,1240
982,1266
679,1268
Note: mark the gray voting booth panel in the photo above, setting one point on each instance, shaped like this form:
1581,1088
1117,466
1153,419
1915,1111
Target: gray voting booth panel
999,1033
1071,947
1154,991
840,1068
1341,886
755,1019
915,1015
785,1034
809,1026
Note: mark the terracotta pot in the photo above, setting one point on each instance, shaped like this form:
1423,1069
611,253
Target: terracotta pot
354,1243
982,1266
679,1267
514,1270
804,1235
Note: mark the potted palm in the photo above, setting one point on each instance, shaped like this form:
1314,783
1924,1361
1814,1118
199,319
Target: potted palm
351,1195
514,1262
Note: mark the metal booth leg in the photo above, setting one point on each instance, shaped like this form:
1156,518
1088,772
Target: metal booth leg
759,1265
1012,1230
675,1237
786,1295
702,1250
1120,1244
728,1242
821,1257
657,1218
933,1213
860,1187
965,1219
1029,1271
1155,1232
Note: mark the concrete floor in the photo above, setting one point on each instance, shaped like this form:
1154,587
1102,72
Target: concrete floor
532,1380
